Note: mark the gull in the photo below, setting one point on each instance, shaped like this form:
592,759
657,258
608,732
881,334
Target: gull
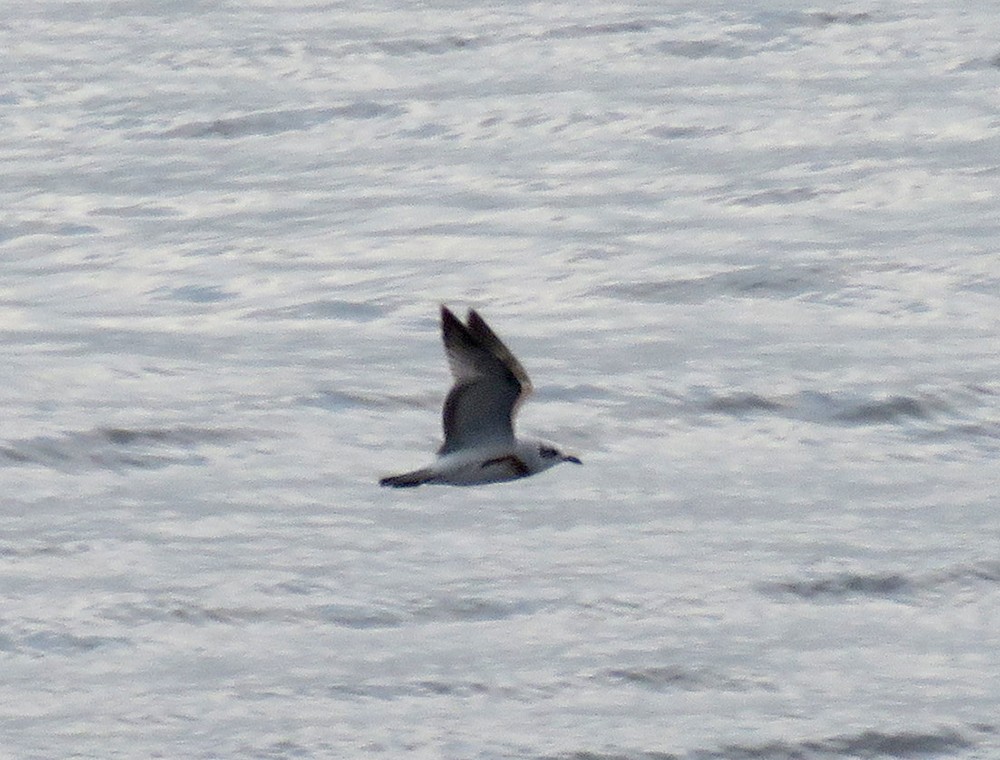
479,442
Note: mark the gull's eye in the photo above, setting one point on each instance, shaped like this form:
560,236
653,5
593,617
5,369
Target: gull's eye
547,452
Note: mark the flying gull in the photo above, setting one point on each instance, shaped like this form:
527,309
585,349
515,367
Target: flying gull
479,443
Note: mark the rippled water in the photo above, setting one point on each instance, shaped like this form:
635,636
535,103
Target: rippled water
748,255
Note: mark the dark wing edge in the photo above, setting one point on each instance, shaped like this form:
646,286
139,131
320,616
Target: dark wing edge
477,340
457,340
488,339
409,479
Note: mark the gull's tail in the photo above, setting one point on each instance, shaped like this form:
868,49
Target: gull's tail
409,479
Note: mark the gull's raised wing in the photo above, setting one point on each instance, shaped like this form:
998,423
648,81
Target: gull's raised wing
489,384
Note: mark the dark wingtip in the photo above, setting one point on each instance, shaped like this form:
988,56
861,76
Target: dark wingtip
451,325
395,482
573,459
408,479
475,322
449,321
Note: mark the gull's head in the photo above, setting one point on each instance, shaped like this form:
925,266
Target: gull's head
545,455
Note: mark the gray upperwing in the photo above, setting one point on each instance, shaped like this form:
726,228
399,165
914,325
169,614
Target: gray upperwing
478,413
489,340
480,406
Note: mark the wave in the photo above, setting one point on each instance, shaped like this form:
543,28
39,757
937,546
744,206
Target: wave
869,744
851,584
961,413
260,123
115,448
761,281
369,614
682,678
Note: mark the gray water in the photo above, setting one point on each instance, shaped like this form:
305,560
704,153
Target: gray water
748,253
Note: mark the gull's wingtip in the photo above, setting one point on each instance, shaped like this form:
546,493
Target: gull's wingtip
476,322
472,317
448,316
451,326
408,479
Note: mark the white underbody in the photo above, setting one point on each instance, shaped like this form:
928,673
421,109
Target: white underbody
489,464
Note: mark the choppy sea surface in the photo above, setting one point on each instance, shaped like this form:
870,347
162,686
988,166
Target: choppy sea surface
749,254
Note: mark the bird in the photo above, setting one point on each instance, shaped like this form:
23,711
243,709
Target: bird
489,387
